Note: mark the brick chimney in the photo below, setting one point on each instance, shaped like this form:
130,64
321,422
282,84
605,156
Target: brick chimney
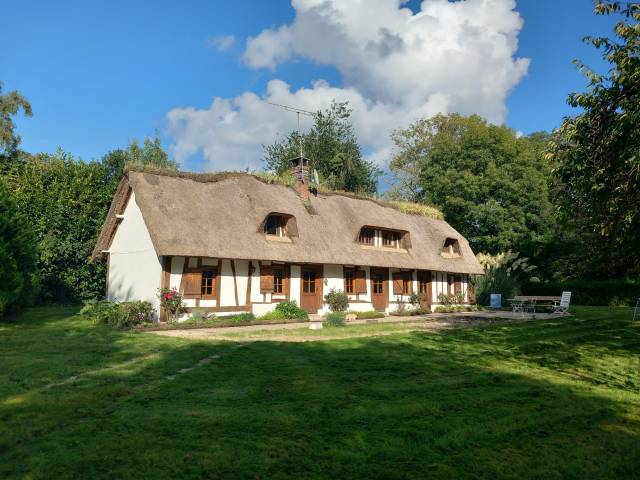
300,174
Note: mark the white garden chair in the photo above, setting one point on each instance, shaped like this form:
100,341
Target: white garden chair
563,305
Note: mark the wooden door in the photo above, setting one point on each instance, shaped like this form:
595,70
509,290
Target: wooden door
425,288
310,288
379,288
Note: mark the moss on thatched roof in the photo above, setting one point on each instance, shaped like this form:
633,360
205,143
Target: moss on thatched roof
287,180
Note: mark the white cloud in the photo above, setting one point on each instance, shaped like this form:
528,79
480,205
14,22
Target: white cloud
222,43
395,66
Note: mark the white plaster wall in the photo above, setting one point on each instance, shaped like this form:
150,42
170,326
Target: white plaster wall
208,302
256,296
294,284
135,271
242,278
360,307
227,285
333,278
177,266
259,309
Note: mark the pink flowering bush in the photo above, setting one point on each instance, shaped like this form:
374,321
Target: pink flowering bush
171,301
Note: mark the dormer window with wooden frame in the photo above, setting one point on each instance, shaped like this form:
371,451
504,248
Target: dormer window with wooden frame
281,227
275,225
451,248
384,238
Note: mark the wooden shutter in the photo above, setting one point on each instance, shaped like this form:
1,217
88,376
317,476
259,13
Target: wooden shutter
397,283
360,281
266,279
191,284
408,277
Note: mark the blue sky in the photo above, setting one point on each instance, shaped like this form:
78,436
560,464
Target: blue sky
100,73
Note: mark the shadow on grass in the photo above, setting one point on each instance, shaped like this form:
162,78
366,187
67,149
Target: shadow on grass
461,404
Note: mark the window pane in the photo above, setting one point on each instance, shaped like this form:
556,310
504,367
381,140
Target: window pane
277,281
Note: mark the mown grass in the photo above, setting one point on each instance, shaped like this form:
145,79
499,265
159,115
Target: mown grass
547,399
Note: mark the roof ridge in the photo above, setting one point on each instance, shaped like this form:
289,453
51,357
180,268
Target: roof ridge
409,208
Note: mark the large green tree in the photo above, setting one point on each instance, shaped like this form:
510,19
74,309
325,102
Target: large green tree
332,149
598,154
65,201
17,255
150,153
491,185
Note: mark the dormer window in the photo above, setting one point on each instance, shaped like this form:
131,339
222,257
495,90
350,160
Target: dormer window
451,248
367,236
383,238
275,225
279,227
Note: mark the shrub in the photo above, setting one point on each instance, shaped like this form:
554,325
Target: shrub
337,300
614,291
130,314
334,319
119,315
414,300
101,312
400,306
451,299
17,256
291,310
273,315
418,311
171,302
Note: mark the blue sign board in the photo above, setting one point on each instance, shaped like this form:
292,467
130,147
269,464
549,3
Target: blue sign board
496,300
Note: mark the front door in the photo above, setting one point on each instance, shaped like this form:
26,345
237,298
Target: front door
310,288
379,292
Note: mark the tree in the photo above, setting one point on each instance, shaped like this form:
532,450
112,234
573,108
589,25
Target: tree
10,105
150,154
597,154
65,201
332,149
491,185
17,255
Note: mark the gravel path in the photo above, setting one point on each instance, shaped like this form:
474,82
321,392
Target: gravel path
433,322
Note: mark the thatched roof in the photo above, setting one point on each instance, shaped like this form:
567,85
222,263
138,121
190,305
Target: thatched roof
219,216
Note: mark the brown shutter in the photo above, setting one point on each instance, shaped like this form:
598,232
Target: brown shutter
408,277
397,283
360,281
191,282
266,279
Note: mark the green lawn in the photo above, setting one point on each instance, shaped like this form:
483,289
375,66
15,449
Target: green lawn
547,399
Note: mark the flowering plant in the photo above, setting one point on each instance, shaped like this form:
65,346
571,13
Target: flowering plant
171,301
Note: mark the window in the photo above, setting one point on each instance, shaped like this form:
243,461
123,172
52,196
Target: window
382,237
390,239
377,279
199,282
275,225
367,236
402,283
207,282
451,247
424,282
278,283
349,280
308,282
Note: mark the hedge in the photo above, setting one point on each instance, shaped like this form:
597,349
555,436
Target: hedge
612,292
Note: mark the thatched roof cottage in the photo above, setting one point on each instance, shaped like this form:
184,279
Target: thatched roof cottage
237,242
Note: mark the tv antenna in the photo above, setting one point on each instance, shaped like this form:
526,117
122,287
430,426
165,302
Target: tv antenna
298,112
